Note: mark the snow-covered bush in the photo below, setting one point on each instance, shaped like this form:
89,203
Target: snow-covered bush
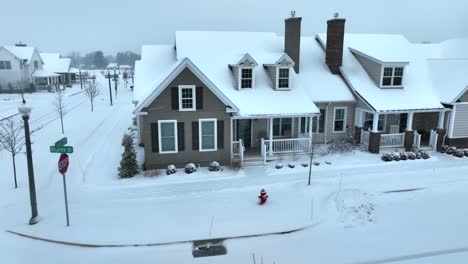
344,144
404,156
396,156
443,148
418,154
128,165
411,155
127,140
279,165
465,152
316,163
425,155
171,169
190,168
387,157
291,165
451,150
214,166
459,153
304,164
328,162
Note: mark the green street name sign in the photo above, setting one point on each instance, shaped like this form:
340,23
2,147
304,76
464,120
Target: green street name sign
61,142
62,149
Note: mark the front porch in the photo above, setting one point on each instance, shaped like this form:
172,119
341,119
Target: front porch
46,81
267,138
412,129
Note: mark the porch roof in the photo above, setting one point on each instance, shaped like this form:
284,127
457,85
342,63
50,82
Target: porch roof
44,74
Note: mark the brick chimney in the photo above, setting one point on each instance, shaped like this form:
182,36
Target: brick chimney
292,38
335,38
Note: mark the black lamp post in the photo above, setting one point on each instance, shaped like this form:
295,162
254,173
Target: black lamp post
25,111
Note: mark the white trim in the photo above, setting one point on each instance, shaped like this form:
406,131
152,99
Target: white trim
277,78
177,69
194,97
175,136
393,66
452,120
239,78
200,143
344,118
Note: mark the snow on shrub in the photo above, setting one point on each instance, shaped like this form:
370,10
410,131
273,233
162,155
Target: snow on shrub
396,156
316,163
403,156
451,150
465,152
418,155
425,155
291,165
279,165
171,169
190,168
459,153
411,155
214,166
328,162
344,144
443,148
387,157
304,164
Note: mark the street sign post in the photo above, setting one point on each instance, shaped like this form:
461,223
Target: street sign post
62,142
62,149
63,167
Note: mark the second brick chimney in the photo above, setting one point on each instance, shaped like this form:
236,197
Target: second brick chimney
292,39
335,38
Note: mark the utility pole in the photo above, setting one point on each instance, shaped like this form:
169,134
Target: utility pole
81,79
110,89
115,82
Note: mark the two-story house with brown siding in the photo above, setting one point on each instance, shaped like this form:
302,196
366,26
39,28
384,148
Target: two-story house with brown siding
238,96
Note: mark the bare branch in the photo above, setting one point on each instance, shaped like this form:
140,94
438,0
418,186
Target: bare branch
92,90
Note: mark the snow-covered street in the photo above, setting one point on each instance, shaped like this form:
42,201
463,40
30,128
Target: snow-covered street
357,210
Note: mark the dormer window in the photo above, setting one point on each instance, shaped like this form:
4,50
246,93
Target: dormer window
392,77
246,77
283,77
187,98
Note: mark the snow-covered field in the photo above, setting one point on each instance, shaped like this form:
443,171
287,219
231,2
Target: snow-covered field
357,210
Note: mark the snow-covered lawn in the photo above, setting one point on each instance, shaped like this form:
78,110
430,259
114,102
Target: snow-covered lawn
357,210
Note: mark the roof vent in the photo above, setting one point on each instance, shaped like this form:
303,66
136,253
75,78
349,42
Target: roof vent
20,44
293,13
336,15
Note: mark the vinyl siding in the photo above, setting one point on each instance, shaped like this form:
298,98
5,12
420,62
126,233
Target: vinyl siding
373,69
460,127
464,97
328,135
235,74
9,76
272,73
161,109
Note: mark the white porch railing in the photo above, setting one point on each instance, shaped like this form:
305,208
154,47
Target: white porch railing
416,140
433,139
392,140
238,150
365,136
287,145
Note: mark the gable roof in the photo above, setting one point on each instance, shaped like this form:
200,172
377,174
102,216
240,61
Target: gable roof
449,78
23,53
418,92
54,63
175,71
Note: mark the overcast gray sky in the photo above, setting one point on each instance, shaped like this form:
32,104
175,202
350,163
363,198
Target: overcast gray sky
88,25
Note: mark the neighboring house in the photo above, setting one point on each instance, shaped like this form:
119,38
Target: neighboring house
406,91
112,66
235,96
53,62
20,65
125,68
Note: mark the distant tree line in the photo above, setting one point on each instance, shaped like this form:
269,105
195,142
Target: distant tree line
98,60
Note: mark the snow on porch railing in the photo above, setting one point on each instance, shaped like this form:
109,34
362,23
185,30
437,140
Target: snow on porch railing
416,140
365,135
288,145
392,140
238,150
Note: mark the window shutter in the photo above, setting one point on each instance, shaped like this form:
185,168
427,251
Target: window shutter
220,134
195,142
199,98
180,136
175,98
154,137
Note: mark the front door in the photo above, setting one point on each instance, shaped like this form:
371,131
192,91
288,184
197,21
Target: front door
244,131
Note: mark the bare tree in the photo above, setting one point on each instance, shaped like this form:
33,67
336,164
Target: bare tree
60,107
11,140
92,90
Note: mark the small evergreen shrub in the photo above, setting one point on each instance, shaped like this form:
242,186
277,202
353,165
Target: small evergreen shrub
305,164
465,152
190,168
451,150
459,153
425,155
214,166
418,155
291,165
411,156
279,165
171,169
316,163
396,156
387,157
404,156
443,148
128,165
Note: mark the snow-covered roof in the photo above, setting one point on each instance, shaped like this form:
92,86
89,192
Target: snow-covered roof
449,78
213,52
44,73
21,52
53,63
125,67
112,65
417,92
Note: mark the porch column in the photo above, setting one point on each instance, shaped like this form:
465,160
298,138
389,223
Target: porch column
409,122
311,119
231,136
441,120
270,143
375,123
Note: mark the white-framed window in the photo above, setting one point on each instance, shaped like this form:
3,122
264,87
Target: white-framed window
36,65
283,81
187,98
339,119
208,134
369,120
5,65
282,127
246,77
392,76
167,136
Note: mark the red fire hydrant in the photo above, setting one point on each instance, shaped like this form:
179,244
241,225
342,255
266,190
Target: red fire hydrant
263,197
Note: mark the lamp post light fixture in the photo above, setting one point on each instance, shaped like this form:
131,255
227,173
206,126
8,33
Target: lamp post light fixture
25,112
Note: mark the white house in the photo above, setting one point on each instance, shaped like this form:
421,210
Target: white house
53,62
